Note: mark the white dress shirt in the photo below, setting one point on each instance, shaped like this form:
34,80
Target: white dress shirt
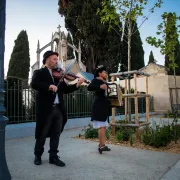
56,101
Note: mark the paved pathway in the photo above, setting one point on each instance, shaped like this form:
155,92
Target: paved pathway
83,162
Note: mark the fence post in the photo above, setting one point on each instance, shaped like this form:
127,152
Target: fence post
4,172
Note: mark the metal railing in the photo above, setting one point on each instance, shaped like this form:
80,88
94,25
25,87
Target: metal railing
79,103
20,102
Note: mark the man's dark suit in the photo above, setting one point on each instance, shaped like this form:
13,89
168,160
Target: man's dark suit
45,126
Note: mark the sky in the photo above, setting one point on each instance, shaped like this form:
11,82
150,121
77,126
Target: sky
40,18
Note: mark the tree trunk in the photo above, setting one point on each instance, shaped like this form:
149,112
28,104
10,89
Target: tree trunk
175,84
129,59
90,59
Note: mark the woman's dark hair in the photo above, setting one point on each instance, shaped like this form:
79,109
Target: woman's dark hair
98,70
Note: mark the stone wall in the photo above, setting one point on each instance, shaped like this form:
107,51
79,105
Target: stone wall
175,94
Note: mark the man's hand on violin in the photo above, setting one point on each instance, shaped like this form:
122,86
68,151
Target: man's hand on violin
53,88
103,86
80,81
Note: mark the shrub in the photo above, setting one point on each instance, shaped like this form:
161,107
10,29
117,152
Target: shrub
131,139
125,132
159,137
119,136
108,132
146,136
90,132
175,132
169,114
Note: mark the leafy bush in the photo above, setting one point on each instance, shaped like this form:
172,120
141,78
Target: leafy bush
108,132
175,132
119,136
124,133
178,131
131,139
90,132
159,137
169,114
146,136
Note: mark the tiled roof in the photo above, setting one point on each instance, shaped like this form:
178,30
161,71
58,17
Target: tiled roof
87,76
150,64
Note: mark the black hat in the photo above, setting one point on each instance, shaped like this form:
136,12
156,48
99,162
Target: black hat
98,70
47,54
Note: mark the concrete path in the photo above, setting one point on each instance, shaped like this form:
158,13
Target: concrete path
173,173
83,162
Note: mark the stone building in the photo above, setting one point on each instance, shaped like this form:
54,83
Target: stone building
60,44
153,69
161,87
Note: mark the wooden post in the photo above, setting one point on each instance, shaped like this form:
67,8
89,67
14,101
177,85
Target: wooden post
125,92
136,105
136,99
113,114
147,101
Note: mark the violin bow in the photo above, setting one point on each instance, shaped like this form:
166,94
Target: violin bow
65,72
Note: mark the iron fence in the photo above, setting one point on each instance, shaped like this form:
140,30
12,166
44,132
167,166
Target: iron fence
79,103
20,102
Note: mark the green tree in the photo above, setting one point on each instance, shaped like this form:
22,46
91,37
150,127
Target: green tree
70,52
19,63
168,43
17,79
97,44
176,60
126,11
151,58
137,52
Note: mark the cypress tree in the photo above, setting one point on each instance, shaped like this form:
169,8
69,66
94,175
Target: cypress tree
151,58
137,52
98,45
18,68
70,54
19,63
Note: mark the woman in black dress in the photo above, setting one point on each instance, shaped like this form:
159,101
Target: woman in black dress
101,105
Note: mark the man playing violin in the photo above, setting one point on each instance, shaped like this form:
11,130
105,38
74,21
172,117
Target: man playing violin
51,113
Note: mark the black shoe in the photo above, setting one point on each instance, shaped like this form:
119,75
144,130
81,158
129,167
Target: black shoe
55,160
103,148
37,160
106,148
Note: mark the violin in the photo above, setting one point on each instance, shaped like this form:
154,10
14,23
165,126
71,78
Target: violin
59,74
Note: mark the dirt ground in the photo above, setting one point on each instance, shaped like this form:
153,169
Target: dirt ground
171,148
